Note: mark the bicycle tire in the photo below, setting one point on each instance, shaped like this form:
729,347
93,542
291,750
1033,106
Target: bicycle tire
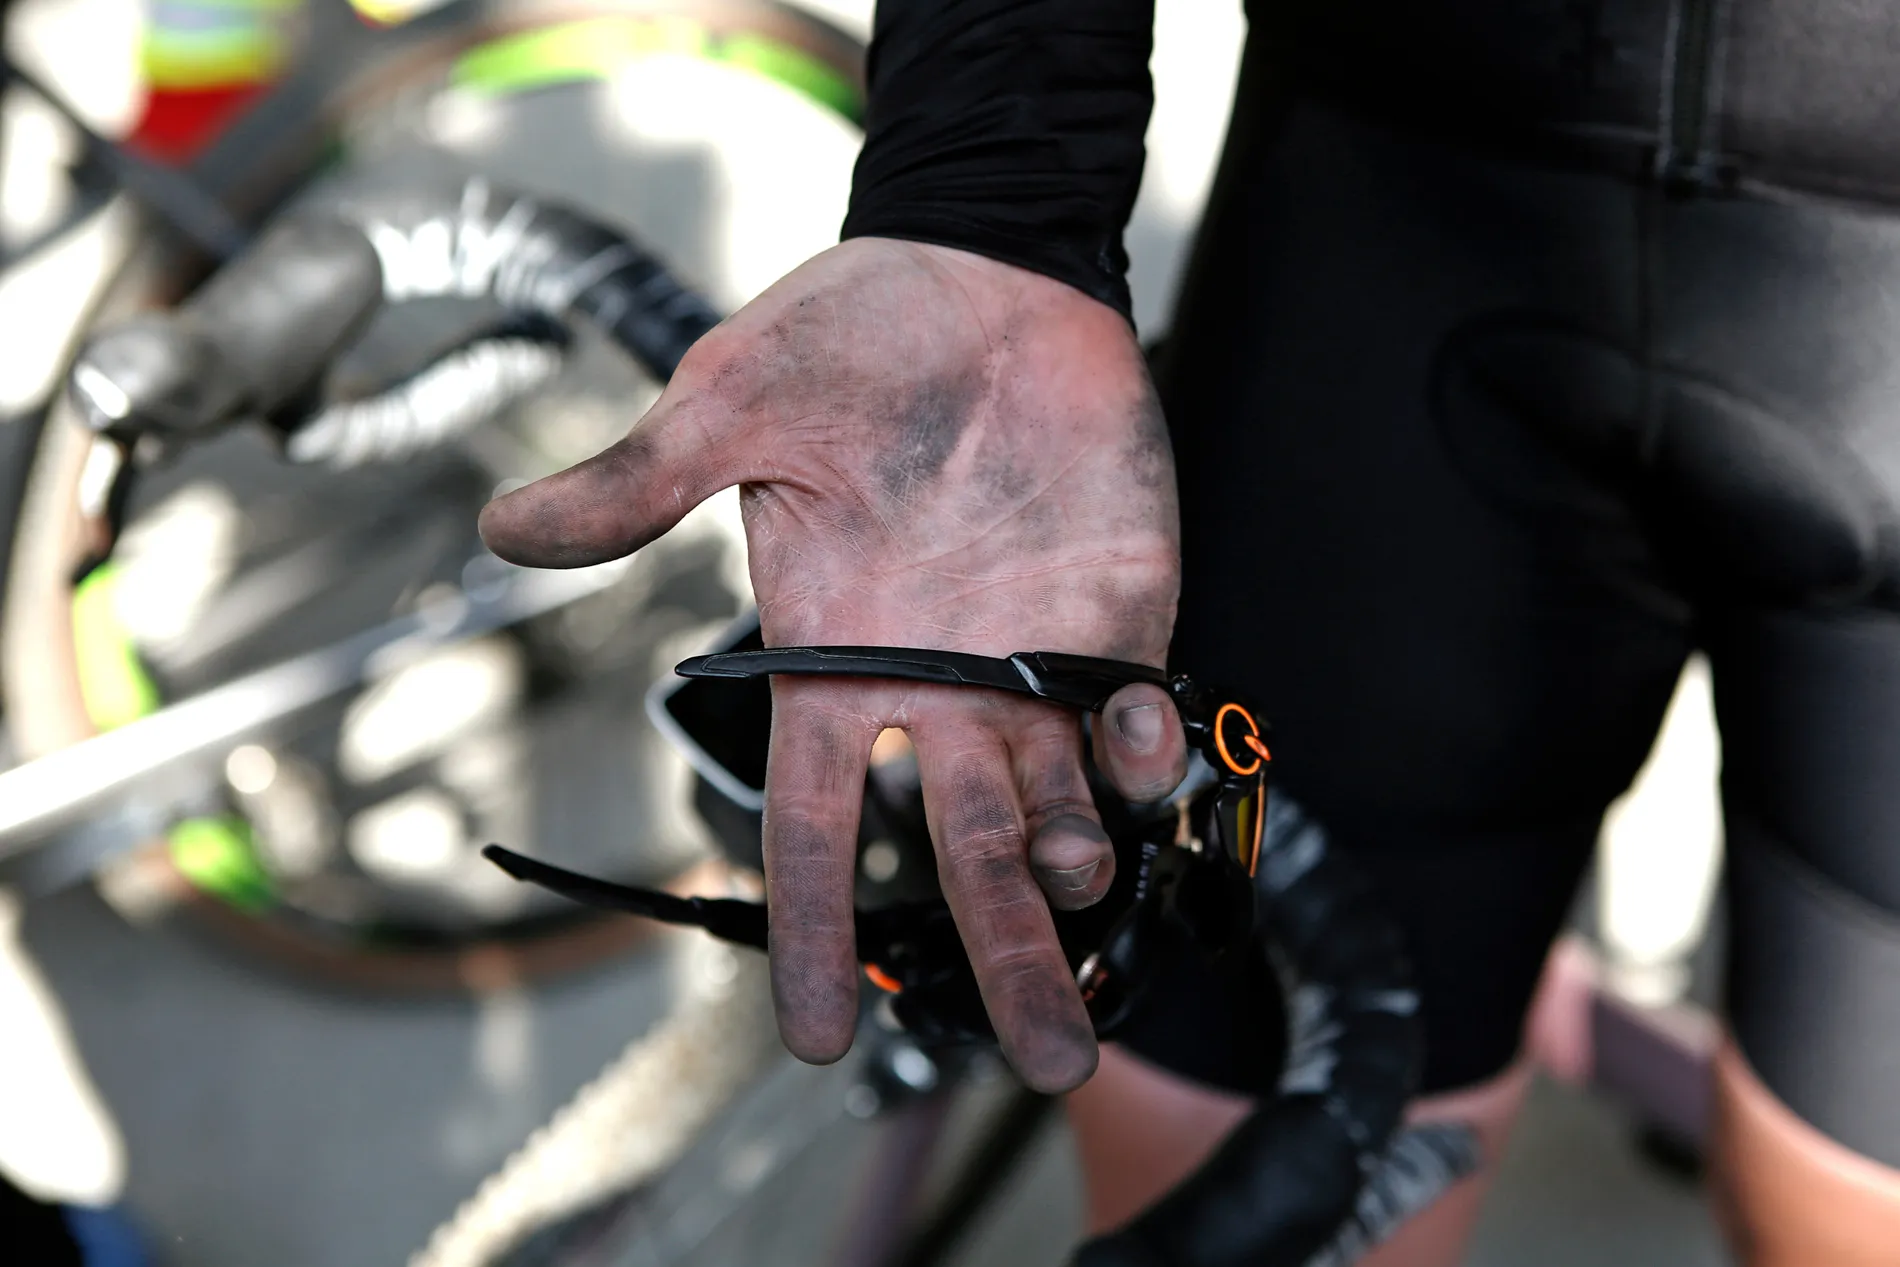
267,158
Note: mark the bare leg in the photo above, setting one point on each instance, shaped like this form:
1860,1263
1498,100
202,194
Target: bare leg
1141,1130
1789,1195
1437,1236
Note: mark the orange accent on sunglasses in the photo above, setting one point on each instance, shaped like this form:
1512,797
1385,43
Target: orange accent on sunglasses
1220,740
1259,825
882,979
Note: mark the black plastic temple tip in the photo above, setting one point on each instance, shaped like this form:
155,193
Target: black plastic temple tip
708,666
650,903
513,863
742,923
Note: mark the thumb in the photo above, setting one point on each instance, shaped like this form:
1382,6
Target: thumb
620,499
1139,743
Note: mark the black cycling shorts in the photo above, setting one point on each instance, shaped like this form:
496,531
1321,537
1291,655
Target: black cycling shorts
1474,450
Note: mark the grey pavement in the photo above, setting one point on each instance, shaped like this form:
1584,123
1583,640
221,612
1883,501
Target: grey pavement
268,1122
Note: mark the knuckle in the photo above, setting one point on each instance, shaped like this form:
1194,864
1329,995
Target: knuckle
1147,778
982,842
810,888
1150,776
1148,791
1043,812
811,800
980,824
991,867
798,834
1018,967
1053,784
1008,925
711,357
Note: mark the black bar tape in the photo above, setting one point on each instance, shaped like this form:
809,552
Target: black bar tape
1287,1182
260,334
636,301
534,257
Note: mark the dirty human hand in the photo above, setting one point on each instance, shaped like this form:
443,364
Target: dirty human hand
936,450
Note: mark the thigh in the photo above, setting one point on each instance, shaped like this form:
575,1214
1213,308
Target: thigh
1776,478
1810,712
1456,628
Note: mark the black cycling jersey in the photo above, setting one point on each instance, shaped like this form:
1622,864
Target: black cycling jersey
1509,440
1794,95
1014,128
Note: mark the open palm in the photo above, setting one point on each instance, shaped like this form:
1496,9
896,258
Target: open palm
934,450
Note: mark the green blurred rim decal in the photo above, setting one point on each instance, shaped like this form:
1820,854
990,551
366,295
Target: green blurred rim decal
217,855
112,681
597,48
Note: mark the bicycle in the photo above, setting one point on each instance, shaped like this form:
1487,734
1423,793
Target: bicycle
225,893
260,339
176,843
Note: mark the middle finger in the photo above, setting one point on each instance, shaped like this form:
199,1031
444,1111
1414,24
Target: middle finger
970,801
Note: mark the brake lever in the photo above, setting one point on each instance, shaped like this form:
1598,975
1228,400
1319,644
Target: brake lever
110,505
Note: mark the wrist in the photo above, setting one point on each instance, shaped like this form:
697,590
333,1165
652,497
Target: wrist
997,286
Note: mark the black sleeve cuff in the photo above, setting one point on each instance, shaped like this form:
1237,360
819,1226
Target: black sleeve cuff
1011,128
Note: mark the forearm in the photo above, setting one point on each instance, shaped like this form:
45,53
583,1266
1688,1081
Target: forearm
1011,128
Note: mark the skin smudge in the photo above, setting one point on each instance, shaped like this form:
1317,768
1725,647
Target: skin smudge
925,431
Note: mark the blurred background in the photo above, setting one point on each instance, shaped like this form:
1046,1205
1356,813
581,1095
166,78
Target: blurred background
253,1004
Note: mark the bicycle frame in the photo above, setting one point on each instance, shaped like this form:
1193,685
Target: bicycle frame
137,774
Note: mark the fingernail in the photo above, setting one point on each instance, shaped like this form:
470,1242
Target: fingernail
1140,727
1075,878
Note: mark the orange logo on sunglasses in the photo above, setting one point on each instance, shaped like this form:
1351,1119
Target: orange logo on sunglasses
1247,740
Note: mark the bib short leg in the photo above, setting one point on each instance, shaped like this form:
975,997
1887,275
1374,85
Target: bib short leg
1474,451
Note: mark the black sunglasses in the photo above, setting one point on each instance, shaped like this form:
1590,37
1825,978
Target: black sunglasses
1225,731
1186,876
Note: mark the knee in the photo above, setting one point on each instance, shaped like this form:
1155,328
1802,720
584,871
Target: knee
1787,1194
1811,999
1807,1127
